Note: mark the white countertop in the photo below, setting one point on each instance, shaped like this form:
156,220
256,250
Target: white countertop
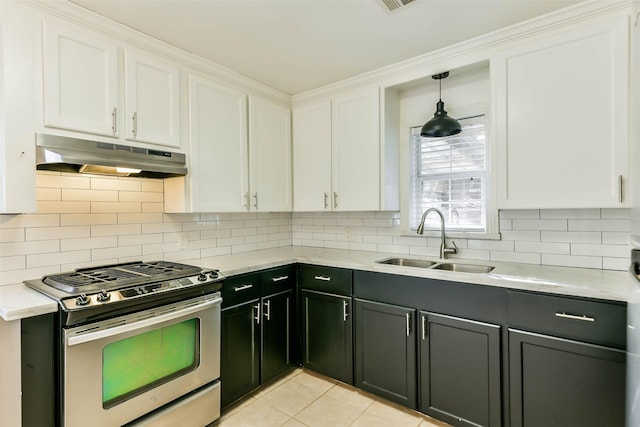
18,301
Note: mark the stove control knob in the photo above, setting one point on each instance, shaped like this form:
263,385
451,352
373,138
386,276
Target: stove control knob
202,277
213,275
82,300
103,296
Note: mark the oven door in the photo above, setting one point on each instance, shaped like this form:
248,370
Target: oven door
120,369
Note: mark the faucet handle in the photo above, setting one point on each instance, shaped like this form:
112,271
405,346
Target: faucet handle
453,250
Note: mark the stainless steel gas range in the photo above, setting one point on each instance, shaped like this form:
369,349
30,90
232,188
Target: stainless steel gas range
135,343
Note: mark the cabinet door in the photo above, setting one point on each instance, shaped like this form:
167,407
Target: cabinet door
356,150
558,382
312,157
460,370
152,108
327,339
218,169
277,335
240,347
270,156
80,80
385,348
562,108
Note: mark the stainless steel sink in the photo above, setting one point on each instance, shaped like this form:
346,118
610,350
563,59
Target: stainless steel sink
446,266
408,262
463,268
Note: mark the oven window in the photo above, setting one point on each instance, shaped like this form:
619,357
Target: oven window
136,364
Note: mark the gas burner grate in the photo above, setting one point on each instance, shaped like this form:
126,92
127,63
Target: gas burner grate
81,278
158,267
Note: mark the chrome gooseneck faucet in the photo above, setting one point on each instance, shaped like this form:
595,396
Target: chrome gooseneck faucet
444,250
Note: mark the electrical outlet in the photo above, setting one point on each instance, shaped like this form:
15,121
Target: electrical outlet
184,241
351,234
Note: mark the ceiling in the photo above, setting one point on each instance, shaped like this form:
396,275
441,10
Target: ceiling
298,45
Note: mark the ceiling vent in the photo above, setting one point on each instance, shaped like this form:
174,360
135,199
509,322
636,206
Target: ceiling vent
394,4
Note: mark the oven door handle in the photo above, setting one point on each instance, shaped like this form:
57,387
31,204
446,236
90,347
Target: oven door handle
148,321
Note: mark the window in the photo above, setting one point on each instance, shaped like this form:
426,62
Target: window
450,174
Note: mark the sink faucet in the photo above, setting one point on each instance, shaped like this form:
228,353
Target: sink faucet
444,250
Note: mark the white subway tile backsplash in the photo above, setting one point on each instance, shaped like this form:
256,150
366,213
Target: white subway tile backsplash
84,220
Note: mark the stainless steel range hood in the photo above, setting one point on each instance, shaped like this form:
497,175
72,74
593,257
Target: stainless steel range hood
65,154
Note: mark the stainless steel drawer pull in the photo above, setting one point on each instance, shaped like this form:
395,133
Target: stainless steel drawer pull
134,120
326,200
243,287
582,317
424,328
408,324
323,278
257,316
279,279
345,313
114,120
267,310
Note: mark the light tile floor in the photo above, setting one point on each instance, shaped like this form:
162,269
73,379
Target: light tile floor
304,398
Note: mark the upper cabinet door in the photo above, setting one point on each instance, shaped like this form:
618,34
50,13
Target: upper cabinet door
356,150
562,119
270,156
80,80
218,147
152,108
312,157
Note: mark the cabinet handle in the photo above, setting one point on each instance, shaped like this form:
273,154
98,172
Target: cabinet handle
424,328
257,316
280,279
345,314
246,200
408,315
267,311
582,317
326,200
134,119
335,199
323,278
242,288
255,196
620,188
114,120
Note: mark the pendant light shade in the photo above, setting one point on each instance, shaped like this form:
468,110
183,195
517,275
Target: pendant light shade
441,124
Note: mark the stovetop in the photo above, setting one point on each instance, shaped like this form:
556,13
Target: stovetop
117,276
88,294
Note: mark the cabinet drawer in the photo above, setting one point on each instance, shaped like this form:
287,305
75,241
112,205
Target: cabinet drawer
596,322
277,280
326,279
239,289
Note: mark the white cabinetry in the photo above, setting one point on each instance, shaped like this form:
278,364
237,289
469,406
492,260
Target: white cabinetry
337,153
80,81
152,105
562,119
312,189
269,155
18,41
218,179
86,90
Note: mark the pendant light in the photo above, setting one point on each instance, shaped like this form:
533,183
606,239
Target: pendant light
441,124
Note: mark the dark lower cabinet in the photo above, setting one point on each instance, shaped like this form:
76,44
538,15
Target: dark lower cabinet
327,338
240,352
277,335
385,351
460,380
560,382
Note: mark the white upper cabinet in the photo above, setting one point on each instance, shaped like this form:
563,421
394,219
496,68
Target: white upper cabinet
152,107
355,137
218,179
312,189
80,80
88,89
562,119
269,156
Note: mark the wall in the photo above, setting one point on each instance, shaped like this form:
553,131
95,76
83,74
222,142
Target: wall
86,220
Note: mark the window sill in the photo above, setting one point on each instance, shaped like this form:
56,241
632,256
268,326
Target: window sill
453,235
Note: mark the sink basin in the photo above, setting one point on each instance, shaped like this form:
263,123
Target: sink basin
407,262
463,268
446,266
